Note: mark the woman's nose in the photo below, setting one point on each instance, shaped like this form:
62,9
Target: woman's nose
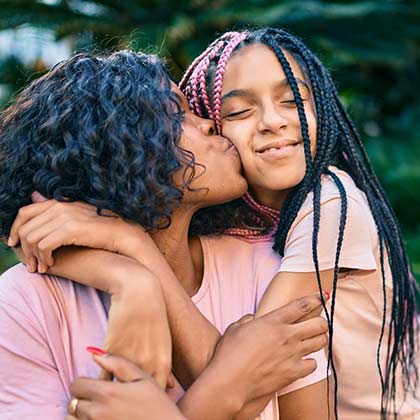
207,127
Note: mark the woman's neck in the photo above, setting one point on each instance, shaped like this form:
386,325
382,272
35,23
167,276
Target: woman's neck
174,245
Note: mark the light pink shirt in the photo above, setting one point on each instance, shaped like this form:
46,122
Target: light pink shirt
47,322
236,274
359,303
45,325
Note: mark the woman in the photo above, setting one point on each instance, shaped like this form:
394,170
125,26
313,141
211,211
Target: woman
58,138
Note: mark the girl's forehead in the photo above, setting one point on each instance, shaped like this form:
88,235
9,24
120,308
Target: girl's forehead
257,63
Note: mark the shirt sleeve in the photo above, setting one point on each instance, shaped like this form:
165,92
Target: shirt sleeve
357,250
30,386
319,374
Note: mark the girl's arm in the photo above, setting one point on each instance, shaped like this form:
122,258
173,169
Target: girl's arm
186,322
235,372
45,226
302,403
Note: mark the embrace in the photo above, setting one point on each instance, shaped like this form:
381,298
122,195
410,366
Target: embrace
222,246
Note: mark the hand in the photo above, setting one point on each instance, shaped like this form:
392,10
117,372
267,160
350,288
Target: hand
47,225
262,355
135,395
138,327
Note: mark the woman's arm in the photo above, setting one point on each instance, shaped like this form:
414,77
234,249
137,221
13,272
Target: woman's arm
301,403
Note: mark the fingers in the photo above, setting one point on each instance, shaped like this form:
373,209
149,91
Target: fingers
311,328
122,369
84,408
105,375
24,215
246,318
299,308
171,381
312,345
307,367
37,238
88,388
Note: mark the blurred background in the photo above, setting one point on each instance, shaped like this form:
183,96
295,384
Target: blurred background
371,47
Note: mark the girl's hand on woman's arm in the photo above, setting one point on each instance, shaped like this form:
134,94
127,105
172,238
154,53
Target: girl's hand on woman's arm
244,367
43,227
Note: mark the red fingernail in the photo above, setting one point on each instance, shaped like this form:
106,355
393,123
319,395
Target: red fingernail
96,350
327,295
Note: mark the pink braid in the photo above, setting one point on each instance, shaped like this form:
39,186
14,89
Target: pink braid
193,65
254,235
218,79
193,84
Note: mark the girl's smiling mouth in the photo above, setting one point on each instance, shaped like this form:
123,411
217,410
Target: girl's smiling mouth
279,148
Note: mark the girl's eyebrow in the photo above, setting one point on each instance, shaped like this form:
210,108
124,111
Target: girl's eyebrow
240,93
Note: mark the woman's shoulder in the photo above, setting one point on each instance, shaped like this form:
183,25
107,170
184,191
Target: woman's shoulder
32,293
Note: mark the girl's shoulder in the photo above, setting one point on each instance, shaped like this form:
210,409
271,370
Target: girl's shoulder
330,194
329,188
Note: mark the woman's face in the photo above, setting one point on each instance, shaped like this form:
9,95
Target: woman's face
218,176
260,117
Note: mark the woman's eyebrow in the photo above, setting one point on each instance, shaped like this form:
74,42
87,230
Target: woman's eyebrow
240,93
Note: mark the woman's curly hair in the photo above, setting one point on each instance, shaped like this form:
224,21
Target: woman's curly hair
100,129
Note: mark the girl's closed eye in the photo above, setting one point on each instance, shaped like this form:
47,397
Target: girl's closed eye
243,113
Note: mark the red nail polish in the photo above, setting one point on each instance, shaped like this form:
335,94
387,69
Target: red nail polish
327,295
96,350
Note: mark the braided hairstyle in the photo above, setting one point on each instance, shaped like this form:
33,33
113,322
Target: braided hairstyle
339,144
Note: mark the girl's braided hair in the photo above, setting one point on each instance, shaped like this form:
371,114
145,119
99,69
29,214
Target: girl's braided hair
339,144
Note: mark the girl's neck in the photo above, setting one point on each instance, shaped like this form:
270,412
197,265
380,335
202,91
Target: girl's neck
174,245
269,198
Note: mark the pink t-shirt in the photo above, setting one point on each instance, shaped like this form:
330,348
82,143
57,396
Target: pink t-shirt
45,325
359,301
47,322
236,274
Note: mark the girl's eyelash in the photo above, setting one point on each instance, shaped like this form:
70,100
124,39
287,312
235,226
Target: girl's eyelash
234,114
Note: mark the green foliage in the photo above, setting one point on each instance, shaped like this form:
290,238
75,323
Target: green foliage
372,48
7,258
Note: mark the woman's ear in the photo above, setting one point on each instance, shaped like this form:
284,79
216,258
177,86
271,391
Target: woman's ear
38,197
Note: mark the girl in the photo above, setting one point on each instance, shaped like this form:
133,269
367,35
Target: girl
313,191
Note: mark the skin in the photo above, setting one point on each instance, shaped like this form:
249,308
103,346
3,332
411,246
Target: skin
189,328
136,390
259,112
259,116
